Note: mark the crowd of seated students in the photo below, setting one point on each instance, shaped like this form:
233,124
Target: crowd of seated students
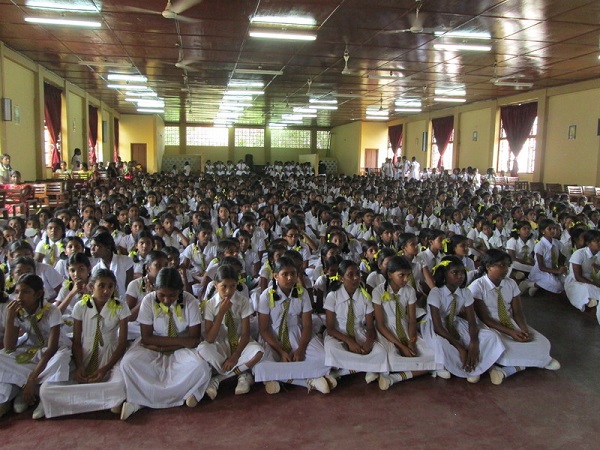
160,286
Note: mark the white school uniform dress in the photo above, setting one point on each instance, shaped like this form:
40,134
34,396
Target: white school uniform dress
490,346
398,363
470,268
61,399
119,265
336,353
165,380
270,368
374,279
14,375
50,249
548,281
535,353
217,352
579,294
523,250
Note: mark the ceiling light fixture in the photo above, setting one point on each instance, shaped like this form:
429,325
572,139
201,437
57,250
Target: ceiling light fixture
297,21
62,5
449,100
151,110
512,83
151,103
245,83
376,112
463,47
283,35
127,87
64,22
259,72
142,94
123,77
323,101
463,34
122,65
408,110
451,92
248,92
377,117
304,110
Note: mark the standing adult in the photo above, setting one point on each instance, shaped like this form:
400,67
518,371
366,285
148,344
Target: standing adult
76,160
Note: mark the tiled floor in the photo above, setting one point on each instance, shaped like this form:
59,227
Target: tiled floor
535,409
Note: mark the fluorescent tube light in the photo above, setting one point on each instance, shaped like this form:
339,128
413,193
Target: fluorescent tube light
259,72
227,102
64,22
283,35
151,103
450,91
324,101
450,99
245,83
285,20
305,110
378,118
123,77
513,83
331,107
142,94
127,87
463,34
66,6
151,110
463,47
376,112
119,64
408,110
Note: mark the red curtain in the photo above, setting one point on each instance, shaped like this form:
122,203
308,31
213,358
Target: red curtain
116,150
395,136
517,121
52,114
442,131
93,133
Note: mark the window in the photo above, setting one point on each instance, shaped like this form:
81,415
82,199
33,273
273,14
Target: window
323,140
207,136
171,135
526,159
282,138
435,154
48,147
249,137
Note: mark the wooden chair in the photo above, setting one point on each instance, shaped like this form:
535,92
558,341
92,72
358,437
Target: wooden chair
574,192
522,186
57,195
590,193
554,188
39,193
3,210
511,183
19,200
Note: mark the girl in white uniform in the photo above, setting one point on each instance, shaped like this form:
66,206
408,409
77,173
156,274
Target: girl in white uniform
99,343
228,347
43,356
293,353
583,281
463,348
431,256
498,305
520,248
546,271
350,339
103,247
395,304
79,267
162,369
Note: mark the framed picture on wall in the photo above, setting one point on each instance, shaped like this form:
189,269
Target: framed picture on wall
572,131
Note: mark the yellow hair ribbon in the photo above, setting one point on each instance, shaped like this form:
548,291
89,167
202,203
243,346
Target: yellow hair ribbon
300,289
133,253
365,292
113,306
336,277
386,297
272,298
220,233
376,255
441,264
86,299
68,284
445,243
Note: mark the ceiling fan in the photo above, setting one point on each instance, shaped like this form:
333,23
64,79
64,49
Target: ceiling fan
416,24
172,11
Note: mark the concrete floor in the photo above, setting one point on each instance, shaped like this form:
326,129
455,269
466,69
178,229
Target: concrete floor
535,409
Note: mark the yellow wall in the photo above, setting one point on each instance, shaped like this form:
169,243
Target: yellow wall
374,135
142,129
475,153
412,136
346,147
573,161
20,140
75,126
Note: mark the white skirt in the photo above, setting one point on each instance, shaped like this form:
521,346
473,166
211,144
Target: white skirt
337,355
163,380
13,373
271,369
535,353
425,360
579,294
61,399
217,353
490,348
545,280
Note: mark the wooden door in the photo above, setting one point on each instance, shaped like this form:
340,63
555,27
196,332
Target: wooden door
371,156
138,154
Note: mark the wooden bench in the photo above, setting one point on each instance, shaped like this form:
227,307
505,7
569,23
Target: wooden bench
574,192
19,200
537,186
57,194
553,188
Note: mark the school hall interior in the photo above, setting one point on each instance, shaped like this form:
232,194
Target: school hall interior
212,85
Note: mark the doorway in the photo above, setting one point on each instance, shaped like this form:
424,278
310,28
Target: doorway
371,157
139,154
